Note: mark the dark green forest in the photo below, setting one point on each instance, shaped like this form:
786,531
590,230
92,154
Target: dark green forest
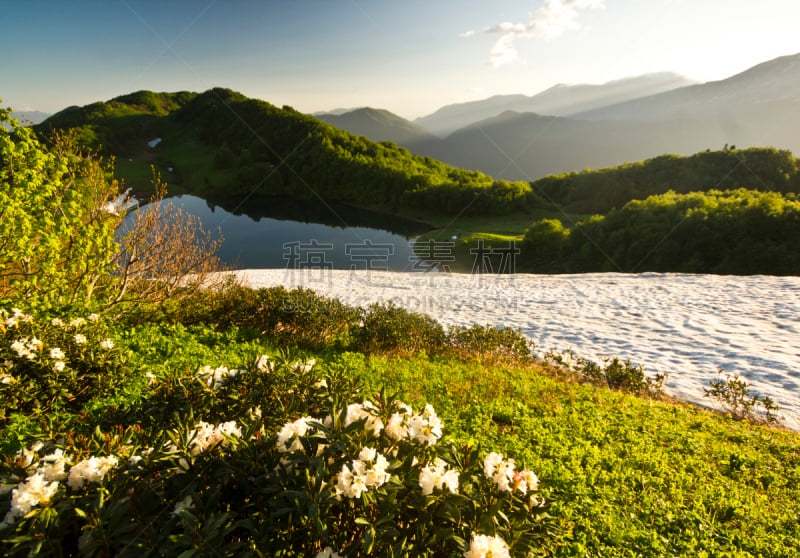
223,143
740,232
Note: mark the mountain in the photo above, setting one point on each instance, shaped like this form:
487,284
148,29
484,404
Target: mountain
221,143
758,90
379,125
526,146
559,100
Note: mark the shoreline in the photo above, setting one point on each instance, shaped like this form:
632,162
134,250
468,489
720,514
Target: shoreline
687,326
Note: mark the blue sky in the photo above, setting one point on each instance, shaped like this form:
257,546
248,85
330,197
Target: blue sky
407,56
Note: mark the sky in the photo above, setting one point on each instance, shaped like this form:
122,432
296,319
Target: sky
407,56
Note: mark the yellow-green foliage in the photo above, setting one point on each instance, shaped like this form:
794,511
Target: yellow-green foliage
56,222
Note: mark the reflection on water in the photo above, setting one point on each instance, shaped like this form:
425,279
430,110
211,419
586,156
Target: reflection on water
269,233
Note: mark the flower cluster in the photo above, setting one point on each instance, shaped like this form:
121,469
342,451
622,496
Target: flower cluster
368,471
265,364
27,348
45,474
483,546
93,469
328,552
424,428
501,472
15,318
290,434
437,475
364,411
206,436
215,376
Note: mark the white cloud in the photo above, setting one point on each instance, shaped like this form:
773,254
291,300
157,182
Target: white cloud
548,22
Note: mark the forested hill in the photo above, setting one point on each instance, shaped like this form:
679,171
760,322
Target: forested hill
601,190
222,143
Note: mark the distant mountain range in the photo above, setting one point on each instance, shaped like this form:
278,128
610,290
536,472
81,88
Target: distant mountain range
379,125
30,116
559,100
569,128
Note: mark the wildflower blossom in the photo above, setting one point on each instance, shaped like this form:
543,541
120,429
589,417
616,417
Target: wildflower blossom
321,384
57,322
437,475
59,365
328,553
265,364
215,376
151,378
425,428
364,411
34,491
53,466
207,436
77,322
501,472
56,353
290,434
6,378
94,318
80,339
368,471
483,546
107,344
304,367
93,469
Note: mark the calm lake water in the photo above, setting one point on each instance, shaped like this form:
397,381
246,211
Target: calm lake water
279,233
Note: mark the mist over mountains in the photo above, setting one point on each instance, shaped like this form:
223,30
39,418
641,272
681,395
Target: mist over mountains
569,128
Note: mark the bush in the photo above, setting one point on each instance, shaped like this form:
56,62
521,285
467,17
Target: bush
55,364
386,328
270,459
735,396
490,342
58,219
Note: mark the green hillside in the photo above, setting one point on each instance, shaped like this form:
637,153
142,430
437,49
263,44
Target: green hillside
221,142
740,232
600,190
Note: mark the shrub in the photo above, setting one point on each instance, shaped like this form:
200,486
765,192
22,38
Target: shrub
490,342
387,328
58,220
269,459
50,365
735,396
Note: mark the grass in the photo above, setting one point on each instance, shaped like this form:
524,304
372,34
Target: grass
625,476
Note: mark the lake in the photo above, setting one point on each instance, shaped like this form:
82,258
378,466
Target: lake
270,233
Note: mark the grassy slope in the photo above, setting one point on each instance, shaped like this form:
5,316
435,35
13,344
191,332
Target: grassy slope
625,476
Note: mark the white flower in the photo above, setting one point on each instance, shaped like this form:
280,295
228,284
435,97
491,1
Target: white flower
77,322
353,483
6,378
525,481
34,491
80,339
93,469
215,376
425,428
304,367
94,318
107,344
437,475
58,322
151,378
185,504
328,553
58,366
367,454
20,346
56,353
320,384
500,471
290,434
483,546
254,413
53,467
364,411
265,364
206,436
